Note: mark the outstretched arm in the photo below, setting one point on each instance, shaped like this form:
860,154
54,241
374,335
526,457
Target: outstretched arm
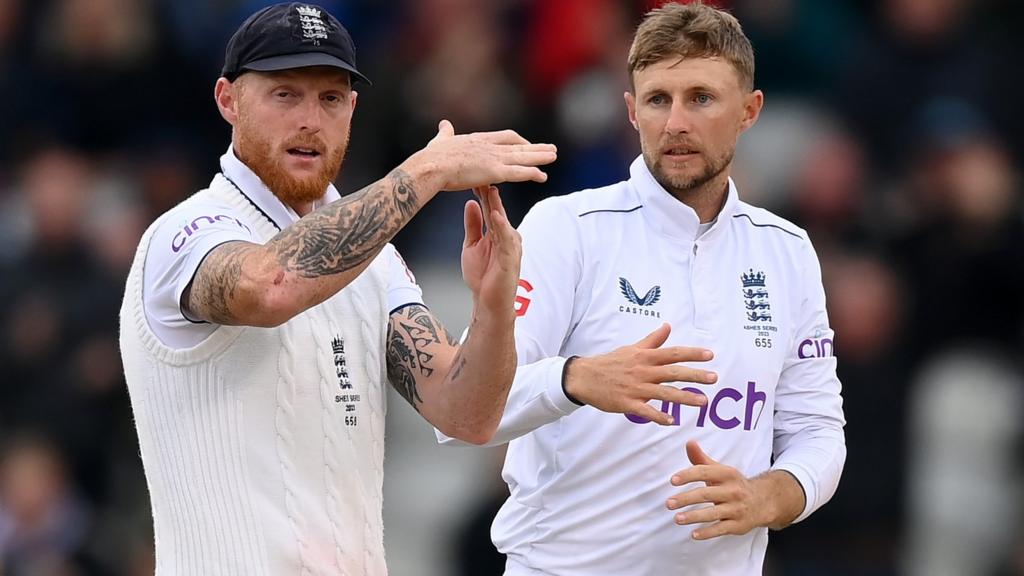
461,390
241,283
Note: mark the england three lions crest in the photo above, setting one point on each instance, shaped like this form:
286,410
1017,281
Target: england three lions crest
755,296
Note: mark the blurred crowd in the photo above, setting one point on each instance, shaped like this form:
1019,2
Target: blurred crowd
892,132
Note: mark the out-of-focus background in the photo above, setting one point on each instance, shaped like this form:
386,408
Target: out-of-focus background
892,131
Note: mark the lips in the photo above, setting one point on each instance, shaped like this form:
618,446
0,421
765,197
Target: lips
304,152
678,151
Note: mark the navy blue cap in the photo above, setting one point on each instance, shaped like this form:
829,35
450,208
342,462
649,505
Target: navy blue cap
290,35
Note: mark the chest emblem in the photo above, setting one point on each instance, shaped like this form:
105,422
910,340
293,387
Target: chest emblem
639,305
757,308
755,296
347,395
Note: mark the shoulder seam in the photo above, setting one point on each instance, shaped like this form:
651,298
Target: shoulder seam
747,216
622,211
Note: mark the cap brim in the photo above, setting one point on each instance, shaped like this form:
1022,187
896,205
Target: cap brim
304,60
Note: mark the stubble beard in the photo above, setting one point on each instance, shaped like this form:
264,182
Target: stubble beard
257,152
687,187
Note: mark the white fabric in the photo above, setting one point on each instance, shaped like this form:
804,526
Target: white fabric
588,488
263,448
185,236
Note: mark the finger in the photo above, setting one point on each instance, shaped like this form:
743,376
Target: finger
528,155
474,223
483,195
657,338
705,515
505,236
710,474
677,354
502,137
703,494
521,174
697,455
497,203
673,394
479,191
718,529
679,374
494,199
444,130
647,411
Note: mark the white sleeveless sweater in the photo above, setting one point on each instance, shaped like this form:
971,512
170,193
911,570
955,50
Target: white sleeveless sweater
254,463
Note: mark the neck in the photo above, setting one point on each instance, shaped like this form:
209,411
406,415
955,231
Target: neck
301,208
706,199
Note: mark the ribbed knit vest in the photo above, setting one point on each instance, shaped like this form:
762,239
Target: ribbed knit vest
254,463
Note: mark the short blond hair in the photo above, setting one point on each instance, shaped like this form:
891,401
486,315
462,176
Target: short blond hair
692,31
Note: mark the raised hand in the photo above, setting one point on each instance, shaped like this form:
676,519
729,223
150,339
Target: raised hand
460,162
626,379
490,260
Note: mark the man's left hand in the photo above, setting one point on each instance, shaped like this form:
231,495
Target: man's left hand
738,504
491,259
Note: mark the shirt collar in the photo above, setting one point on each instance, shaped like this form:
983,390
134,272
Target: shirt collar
667,214
250,185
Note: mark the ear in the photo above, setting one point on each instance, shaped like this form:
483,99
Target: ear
225,93
353,98
631,108
752,104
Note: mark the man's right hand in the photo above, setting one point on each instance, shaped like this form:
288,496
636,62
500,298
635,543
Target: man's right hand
464,161
625,379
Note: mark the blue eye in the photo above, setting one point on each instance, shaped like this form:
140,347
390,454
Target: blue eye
703,99
657,99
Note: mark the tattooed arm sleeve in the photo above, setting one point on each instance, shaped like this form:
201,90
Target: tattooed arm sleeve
458,389
241,283
419,353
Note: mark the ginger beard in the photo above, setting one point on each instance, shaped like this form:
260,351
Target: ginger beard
683,183
259,153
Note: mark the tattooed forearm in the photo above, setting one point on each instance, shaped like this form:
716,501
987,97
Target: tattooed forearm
213,288
413,336
344,234
400,364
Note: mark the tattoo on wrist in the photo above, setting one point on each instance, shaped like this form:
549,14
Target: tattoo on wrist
345,233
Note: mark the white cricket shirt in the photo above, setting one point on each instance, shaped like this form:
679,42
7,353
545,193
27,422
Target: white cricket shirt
602,269
193,229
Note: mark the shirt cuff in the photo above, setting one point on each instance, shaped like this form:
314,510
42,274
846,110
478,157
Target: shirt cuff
554,391
806,482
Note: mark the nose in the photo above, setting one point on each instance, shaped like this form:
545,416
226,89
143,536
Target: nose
678,119
310,119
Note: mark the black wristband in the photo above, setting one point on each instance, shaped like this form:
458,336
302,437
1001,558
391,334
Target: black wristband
565,371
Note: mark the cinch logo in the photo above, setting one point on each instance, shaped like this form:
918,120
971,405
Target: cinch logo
649,299
815,348
724,410
190,228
